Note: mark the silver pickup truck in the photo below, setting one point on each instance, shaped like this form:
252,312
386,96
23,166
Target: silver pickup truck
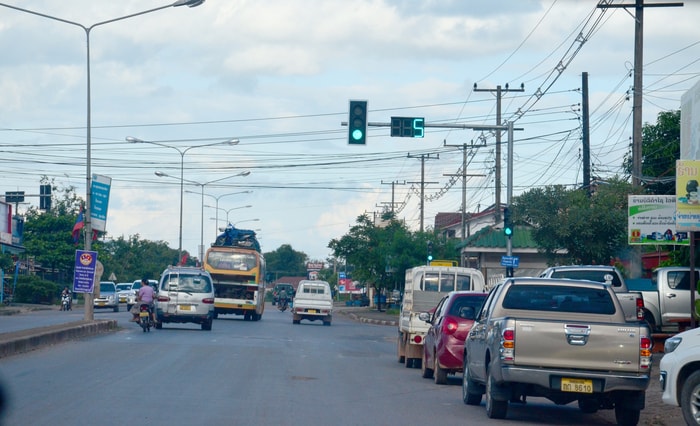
565,340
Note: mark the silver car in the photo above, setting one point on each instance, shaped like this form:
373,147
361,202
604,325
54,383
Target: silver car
123,290
185,294
108,297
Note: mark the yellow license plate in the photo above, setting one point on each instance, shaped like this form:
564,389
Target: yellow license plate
576,385
312,311
184,307
100,303
143,314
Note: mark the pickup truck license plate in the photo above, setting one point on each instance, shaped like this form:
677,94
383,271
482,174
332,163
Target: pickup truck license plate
312,311
576,385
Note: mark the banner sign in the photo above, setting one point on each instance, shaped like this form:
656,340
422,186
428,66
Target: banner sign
651,220
99,202
84,275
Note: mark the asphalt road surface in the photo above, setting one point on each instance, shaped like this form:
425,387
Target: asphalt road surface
268,372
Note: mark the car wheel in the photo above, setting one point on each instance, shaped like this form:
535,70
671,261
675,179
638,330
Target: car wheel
495,409
439,373
426,372
469,397
257,317
159,325
128,307
401,358
296,321
629,416
206,325
690,398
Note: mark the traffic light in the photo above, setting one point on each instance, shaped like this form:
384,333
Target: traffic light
507,223
357,123
45,197
430,251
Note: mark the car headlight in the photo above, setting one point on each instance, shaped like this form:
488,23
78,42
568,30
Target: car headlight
671,344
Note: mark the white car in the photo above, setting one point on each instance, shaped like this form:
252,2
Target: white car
131,296
680,374
123,291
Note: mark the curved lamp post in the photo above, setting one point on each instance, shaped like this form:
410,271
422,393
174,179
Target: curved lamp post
227,211
89,312
182,153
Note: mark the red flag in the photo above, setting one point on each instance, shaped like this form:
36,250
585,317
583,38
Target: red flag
185,256
79,224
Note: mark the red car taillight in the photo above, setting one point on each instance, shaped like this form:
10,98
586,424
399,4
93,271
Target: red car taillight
449,325
508,345
208,300
417,339
640,309
645,345
163,299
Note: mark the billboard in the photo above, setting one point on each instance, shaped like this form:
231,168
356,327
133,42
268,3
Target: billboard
687,195
651,220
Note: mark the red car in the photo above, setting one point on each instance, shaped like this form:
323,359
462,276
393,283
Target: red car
449,326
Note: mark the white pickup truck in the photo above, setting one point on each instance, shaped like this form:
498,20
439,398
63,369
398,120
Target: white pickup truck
313,301
632,302
667,304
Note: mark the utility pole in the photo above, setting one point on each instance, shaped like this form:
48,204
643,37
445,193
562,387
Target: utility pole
639,5
422,182
499,93
392,192
586,134
464,176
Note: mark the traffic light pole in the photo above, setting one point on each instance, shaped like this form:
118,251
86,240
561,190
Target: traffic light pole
509,193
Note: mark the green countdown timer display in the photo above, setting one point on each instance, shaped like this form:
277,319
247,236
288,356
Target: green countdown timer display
408,127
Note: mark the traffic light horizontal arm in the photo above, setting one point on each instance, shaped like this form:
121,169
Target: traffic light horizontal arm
443,125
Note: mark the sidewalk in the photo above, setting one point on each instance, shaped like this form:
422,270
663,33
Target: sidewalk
368,315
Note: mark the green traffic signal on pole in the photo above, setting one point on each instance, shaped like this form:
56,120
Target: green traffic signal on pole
357,123
507,223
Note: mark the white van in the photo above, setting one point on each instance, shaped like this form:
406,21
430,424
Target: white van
313,301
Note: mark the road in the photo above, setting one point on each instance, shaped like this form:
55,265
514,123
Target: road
268,372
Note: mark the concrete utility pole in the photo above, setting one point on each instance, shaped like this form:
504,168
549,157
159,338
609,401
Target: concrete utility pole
464,176
422,182
393,184
639,5
586,134
499,93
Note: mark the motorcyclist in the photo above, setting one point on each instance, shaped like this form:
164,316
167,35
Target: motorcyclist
65,293
283,298
145,295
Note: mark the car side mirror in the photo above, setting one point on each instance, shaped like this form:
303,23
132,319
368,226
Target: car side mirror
424,316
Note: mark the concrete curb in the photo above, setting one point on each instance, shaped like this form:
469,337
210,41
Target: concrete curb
356,317
27,340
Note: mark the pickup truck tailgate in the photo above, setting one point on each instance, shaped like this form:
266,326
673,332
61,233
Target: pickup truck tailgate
576,345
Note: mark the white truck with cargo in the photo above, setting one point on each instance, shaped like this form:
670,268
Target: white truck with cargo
562,339
313,301
424,287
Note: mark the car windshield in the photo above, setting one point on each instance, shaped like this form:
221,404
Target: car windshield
121,287
106,288
187,283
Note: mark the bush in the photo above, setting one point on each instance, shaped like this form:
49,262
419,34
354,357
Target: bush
32,289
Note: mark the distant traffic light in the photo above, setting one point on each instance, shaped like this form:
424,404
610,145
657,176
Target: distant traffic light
357,123
507,223
45,197
430,251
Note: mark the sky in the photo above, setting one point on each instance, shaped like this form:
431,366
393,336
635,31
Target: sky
277,75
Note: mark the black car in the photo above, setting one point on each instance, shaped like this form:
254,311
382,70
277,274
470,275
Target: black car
276,292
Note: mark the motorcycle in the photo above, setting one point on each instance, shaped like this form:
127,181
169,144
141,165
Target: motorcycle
145,318
283,305
66,303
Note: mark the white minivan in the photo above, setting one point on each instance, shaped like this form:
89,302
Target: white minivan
313,301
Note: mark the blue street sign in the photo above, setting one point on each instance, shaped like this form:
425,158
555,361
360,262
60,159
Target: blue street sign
511,261
84,274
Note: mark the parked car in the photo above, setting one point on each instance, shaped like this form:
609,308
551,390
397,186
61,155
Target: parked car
185,294
131,296
680,374
276,291
450,323
108,297
123,290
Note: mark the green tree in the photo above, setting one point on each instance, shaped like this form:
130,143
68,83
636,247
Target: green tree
286,261
592,229
661,147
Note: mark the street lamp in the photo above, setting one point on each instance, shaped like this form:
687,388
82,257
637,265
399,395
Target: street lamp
89,312
202,185
217,206
182,153
227,211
